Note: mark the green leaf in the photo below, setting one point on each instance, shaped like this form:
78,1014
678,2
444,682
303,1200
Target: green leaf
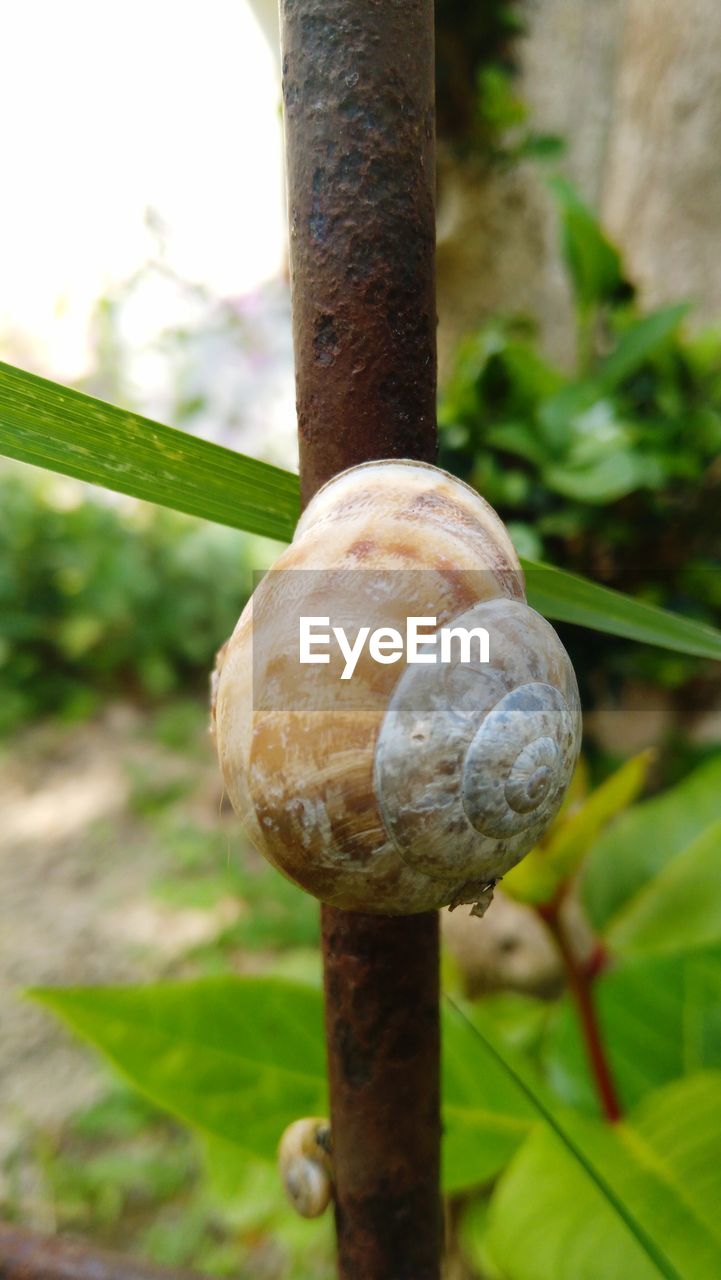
599,482
639,341
571,839
63,430
240,1058
680,908
558,413
517,438
659,1018
548,1223
643,840
573,1136
568,598
485,1118
593,263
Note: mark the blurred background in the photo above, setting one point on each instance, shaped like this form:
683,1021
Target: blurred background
143,260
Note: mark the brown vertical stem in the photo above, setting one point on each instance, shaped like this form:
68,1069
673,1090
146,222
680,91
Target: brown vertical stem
358,92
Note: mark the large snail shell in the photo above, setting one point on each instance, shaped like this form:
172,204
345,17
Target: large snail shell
407,787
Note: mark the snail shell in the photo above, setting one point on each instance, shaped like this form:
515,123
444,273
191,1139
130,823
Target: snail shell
304,1162
407,787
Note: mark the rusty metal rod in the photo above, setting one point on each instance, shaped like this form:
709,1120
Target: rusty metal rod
25,1255
381,988
358,90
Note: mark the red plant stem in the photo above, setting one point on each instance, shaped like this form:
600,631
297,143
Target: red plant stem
580,985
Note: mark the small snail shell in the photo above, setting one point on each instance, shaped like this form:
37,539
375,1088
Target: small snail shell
396,793
304,1161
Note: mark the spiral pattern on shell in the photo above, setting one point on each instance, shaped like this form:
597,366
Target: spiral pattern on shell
473,760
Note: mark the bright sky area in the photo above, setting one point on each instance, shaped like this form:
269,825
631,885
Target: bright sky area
111,109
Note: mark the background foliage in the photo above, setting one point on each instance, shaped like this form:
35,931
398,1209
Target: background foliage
99,600
611,470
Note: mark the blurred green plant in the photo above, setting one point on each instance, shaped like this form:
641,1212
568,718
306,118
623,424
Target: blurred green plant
527,1138
611,470
480,111
97,600
274,917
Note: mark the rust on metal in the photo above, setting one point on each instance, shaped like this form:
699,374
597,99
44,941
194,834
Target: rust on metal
25,1255
381,984
358,91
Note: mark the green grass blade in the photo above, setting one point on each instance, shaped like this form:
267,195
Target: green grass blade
63,430
663,1265
566,597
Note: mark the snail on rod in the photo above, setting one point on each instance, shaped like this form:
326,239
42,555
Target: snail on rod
410,786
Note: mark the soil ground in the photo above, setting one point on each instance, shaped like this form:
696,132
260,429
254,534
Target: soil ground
77,865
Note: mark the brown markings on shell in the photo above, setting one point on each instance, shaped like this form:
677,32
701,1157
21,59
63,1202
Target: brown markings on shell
447,514
404,550
324,834
362,548
325,762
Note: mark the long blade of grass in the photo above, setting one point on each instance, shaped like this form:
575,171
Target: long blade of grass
63,430
566,597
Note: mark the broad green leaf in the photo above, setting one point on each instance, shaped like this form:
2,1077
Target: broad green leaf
594,264
680,908
63,430
485,1118
548,1222
537,877
569,1133
643,840
568,598
639,341
702,1012
240,1058
659,1019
